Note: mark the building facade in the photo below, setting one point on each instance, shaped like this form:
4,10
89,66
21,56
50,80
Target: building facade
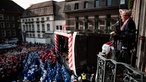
10,14
39,21
139,15
93,15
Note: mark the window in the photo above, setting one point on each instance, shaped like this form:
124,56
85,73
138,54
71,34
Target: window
109,2
3,33
37,19
13,25
48,18
13,18
8,25
1,17
122,1
57,28
32,20
38,27
76,6
13,33
33,35
77,22
48,27
42,19
61,27
86,22
24,28
43,27
28,20
39,35
6,17
8,33
2,25
86,4
97,3
108,17
32,27
96,20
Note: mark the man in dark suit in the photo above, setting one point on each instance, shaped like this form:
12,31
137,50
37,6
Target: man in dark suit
126,34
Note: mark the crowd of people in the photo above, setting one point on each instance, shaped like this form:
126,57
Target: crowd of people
30,63
35,63
11,61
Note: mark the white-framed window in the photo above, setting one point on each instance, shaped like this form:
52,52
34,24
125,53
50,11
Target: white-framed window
43,27
48,18
32,19
37,19
26,27
32,27
48,27
38,27
33,35
60,27
42,19
39,36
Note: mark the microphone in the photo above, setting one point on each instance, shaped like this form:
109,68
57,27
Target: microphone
116,24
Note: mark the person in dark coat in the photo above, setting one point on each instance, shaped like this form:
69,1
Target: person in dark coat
126,34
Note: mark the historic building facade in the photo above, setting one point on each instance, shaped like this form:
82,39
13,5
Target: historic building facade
10,14
139,15
93,15
39,21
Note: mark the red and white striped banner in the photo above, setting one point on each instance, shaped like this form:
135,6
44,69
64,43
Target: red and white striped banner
56,43
71,45
70,41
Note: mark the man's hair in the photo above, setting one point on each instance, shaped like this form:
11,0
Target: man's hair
125,11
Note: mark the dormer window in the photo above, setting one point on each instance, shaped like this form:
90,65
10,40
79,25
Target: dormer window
76,6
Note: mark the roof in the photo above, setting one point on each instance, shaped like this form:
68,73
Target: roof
9,6
40,5
39,9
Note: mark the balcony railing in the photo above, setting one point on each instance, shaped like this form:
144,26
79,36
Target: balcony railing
109,70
